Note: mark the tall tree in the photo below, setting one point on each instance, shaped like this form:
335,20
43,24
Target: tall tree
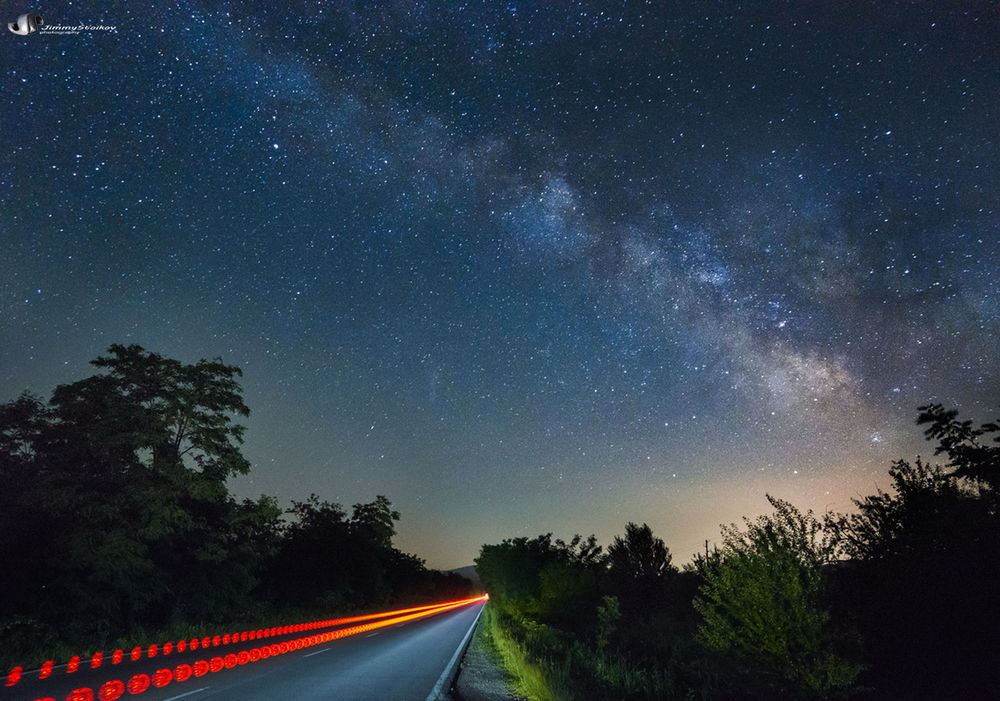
128,471
180,414
376,520
639,555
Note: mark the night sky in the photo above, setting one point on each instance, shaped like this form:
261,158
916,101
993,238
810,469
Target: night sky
520,266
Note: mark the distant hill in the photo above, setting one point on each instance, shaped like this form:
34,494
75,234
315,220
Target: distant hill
469,572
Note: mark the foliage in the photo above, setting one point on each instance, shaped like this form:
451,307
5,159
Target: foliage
545,578
639,566
115,496
176,412
919,517
788,606
968,455
639,554
534,679
608,615
924,559
375,521
761,602
565,588
547,603
115,514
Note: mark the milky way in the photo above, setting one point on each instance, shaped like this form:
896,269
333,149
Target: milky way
521,267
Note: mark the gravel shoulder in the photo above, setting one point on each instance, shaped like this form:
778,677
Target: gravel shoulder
480,677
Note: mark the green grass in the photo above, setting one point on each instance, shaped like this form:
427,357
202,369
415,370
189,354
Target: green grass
534,680
547,663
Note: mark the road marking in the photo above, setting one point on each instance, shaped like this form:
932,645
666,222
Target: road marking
186,693
439,691
327,649
370,635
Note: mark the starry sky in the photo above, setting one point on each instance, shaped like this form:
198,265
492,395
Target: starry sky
521,267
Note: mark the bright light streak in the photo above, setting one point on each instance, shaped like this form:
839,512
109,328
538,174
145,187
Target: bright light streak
162,677
139,683
111,690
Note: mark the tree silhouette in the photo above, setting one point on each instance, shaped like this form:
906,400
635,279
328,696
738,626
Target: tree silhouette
122,478
968,454
639,555
176,411
115,514
375,520
924,562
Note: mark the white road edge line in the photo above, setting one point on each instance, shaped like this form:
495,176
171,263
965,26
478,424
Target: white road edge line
186,693
318,651
439,690
370,635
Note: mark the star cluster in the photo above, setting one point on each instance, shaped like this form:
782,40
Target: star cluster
521,266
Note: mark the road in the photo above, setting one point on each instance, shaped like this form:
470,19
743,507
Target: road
403,662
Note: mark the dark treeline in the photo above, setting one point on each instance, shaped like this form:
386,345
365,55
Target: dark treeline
899,599
116,519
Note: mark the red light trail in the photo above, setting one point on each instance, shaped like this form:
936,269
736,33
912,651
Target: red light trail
138,683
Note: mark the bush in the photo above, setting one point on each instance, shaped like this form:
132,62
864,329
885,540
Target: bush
761,605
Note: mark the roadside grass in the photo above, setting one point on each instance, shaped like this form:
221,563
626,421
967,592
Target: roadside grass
548,664
534,680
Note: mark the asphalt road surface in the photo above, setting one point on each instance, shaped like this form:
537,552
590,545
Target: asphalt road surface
402,662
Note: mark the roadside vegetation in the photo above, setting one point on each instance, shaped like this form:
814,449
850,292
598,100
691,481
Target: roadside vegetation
117,526
530,678
895,600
